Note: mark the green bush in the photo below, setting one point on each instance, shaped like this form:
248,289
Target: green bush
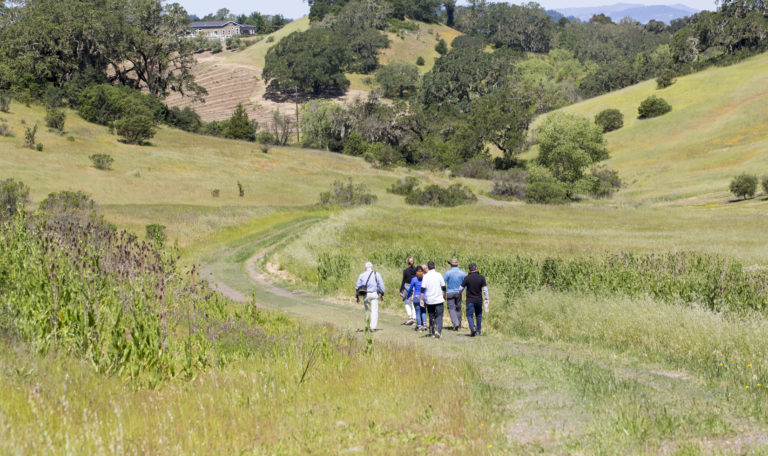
5,130
135,129
764,184
744,186
420,61
39,147
510,185
239,126
355,145
215,192
184,119
155,233
543,188
240,189
14,196
610,120
404,187
55,118
602,182
347,195
102,161
5,102
666,79
29,136
436,196
653,106
383,156
265,137
441,47
104,104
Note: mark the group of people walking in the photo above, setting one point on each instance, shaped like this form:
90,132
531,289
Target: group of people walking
425,292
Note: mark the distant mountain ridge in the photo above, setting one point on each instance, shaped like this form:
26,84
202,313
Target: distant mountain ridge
638,12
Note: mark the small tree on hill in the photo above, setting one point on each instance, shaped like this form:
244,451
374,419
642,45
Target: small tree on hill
666,79
765,184
610,120
420,61
55,118
653,106
441,47
744,186
397,78
135,128
239,126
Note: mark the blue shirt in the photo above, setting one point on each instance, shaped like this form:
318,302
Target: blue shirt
373,280
453,278
415,288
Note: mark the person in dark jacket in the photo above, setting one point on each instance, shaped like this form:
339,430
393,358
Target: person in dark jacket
408,274
477,298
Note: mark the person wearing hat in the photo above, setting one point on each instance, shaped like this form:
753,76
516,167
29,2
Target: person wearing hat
433,295
477,297
370,285
453,279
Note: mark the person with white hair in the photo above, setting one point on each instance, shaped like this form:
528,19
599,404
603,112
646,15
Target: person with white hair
370,287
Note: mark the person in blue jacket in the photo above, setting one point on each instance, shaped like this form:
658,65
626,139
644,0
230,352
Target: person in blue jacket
414,290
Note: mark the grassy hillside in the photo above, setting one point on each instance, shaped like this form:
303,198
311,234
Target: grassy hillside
718,128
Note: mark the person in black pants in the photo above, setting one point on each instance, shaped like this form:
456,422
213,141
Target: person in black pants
408,274
477,298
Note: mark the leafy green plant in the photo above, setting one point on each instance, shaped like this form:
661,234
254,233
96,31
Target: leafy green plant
347,195
5,102
240,189
155,233
102,161
29,136
666,79
55,118
653,106
5,130
610,120
420,61
441,47
215,192
14,196
434,195
404,187
764,184
744,186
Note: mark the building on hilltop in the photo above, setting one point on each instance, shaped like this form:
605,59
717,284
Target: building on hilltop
220,29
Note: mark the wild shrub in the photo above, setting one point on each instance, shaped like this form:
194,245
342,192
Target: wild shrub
420,61
184,119
104,104
39,147
102,161
122,305
764,184
383,156
29,136
5,102
609,120
404,187
135,128
510,185
264,148
215,193
666,79
543,188
441,47
653,106
240,189
476,168
265,137
744,186
55,118
239,126
270,39
436,196
155,233
347,194
356,145
14,197
601,182
5,130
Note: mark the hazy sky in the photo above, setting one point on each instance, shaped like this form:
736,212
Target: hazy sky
297,8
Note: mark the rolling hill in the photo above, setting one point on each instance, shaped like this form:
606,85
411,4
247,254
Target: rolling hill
234,77
718,128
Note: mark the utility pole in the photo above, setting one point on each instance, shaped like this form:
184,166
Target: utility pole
296,100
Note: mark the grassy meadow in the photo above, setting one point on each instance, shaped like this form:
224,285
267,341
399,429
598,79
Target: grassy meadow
560,370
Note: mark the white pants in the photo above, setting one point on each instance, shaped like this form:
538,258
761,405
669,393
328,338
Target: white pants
409,310
372,309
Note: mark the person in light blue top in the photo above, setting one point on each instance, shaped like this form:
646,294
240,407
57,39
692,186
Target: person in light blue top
415,291
453,279
370,285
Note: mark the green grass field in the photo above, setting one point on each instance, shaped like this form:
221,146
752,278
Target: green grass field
558,372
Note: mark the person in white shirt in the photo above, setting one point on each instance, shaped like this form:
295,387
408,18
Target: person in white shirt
433,295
